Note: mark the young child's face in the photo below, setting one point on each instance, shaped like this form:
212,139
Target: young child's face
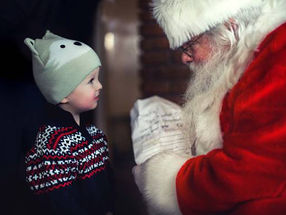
85,96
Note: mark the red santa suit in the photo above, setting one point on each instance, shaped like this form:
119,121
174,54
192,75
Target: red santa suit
246,173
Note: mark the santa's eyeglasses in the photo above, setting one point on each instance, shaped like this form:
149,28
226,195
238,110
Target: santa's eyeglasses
187,48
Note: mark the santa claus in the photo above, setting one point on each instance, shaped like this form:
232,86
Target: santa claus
235,110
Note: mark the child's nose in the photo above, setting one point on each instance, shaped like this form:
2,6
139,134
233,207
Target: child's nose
99,86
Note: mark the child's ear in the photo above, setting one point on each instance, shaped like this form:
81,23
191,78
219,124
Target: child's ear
49,35
65,100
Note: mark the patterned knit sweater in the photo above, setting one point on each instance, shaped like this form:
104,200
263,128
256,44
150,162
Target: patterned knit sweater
67,167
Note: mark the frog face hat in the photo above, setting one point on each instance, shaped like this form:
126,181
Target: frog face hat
60,65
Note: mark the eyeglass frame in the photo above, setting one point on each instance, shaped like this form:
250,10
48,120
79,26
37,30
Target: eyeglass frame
189,45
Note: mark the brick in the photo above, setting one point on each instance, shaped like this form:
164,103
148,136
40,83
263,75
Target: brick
178,99
156,87
151,73
154,43
175,72
179,86
148,73
162,72
144,4
176,56
146,16
167,71
152,29
154,57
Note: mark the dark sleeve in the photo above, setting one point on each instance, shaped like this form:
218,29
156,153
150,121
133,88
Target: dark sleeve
97,193
51,172
64,200
95,174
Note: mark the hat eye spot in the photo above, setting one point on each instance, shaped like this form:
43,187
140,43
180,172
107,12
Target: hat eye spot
77,43
62,46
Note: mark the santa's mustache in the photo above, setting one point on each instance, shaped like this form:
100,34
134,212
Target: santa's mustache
205,74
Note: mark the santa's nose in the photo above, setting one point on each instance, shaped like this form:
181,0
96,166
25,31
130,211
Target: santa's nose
186,59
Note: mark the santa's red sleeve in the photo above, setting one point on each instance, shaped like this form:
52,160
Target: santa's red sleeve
251,166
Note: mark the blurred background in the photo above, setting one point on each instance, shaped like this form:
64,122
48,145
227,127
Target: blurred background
137,63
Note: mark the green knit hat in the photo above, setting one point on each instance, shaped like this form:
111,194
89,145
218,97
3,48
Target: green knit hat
60,65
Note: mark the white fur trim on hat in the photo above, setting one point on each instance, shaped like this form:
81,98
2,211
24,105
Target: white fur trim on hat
183,19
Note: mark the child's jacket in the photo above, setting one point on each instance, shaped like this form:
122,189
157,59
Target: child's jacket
68,166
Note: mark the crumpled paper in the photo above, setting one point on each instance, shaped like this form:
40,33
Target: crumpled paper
156,126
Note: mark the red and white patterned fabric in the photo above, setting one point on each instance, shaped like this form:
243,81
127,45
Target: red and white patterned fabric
62,155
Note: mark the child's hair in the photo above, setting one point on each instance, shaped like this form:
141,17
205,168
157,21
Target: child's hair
60,65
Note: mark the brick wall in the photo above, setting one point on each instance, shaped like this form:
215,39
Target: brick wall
162,72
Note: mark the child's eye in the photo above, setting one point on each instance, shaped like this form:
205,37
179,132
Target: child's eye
91,81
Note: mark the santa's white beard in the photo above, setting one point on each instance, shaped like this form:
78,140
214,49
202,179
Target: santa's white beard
205,74
203,101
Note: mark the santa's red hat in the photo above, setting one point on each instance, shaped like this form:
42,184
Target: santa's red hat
183,19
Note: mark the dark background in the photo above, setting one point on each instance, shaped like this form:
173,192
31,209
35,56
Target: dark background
21,103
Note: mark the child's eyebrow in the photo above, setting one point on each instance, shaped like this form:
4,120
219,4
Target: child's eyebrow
98,69
94,73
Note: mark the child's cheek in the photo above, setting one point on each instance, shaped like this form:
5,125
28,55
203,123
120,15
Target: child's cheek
89,103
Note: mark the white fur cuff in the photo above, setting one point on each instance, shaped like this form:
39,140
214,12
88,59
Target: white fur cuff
159,187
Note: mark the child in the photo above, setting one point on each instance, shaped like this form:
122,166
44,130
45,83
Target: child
67,167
